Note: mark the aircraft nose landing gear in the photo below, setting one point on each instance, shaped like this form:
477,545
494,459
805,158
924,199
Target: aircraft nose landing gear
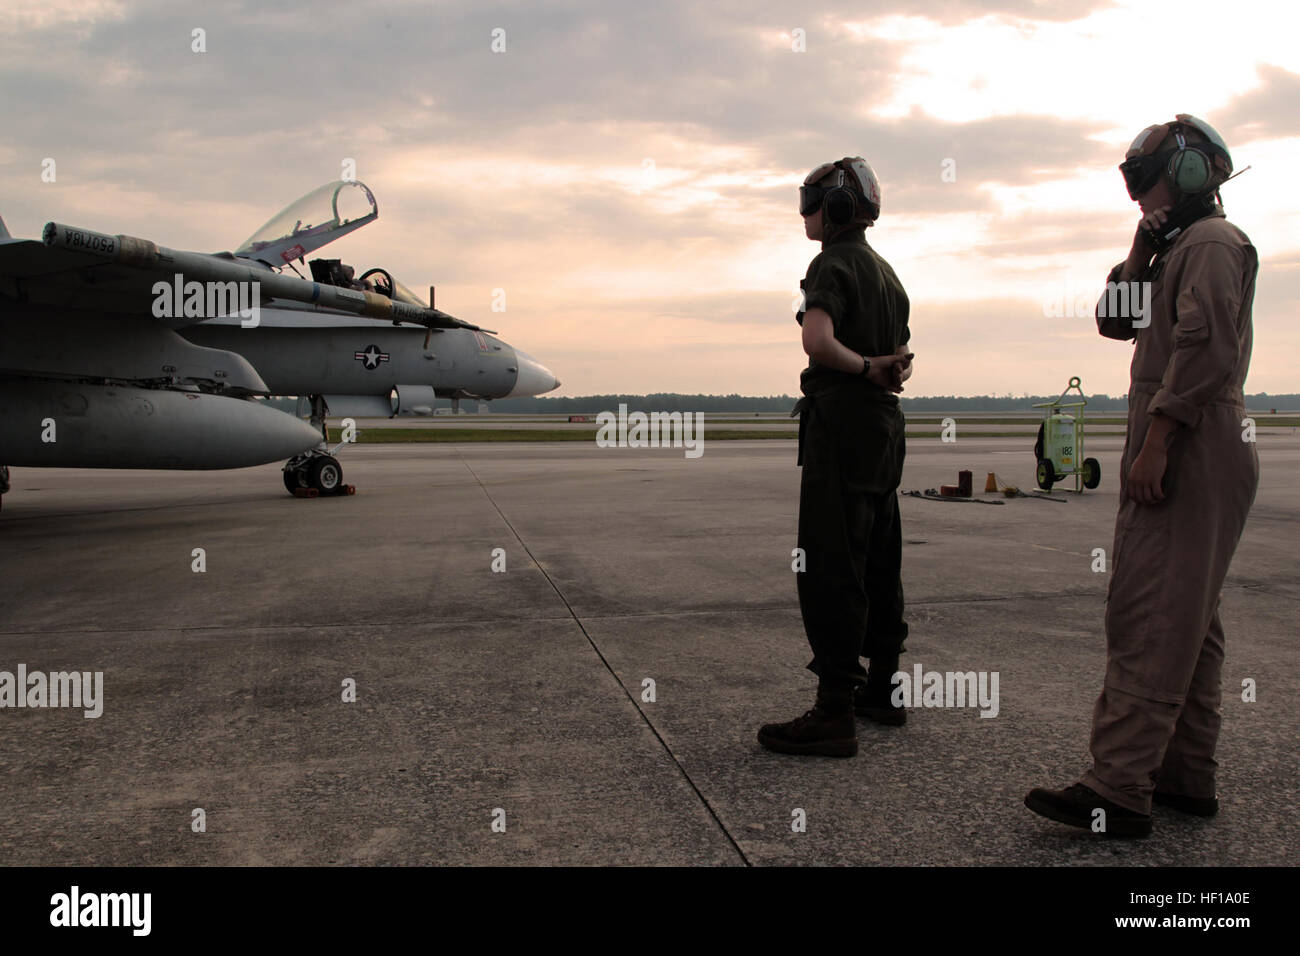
316,472
313,474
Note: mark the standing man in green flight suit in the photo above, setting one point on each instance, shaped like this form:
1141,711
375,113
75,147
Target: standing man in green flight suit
851,447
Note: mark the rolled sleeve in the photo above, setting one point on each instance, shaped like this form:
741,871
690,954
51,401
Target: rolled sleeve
825,287
1114,326
1206,346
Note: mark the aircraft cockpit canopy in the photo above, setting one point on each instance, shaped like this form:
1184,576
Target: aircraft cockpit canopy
318,218
338,273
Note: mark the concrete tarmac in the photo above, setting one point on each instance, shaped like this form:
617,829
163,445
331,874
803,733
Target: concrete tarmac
522,695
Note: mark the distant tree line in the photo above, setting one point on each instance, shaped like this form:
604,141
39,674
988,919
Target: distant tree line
740,404
674,402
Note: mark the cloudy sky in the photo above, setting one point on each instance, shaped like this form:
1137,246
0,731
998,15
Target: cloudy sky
627,173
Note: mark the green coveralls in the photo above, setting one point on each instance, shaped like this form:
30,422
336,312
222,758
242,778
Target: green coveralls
851,447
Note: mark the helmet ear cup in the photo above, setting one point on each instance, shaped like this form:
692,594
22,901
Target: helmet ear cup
1189,170
840,206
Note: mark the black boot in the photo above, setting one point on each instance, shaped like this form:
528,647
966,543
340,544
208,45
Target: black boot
825,731
1075,805
874,700
1196,806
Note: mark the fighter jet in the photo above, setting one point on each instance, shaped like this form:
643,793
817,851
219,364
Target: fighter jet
118,353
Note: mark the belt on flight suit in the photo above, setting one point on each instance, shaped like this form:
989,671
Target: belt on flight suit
805,406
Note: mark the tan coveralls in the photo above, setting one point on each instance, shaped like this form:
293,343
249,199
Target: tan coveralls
1157,719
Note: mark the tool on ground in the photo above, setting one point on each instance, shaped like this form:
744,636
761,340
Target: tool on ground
960,490
931,494
992,485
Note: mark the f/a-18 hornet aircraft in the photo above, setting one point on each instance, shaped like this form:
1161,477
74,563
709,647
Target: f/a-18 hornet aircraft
118,353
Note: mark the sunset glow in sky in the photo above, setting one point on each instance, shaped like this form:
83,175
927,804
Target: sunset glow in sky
628,174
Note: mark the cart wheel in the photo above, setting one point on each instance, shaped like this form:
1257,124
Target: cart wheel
1091,473
1046,474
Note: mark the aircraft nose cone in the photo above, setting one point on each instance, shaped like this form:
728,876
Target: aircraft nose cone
534,378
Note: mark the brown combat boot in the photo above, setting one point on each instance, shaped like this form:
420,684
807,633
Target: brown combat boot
827,730
1197,806
1077,806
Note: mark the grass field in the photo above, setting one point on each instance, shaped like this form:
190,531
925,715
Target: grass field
406,435
471,429
1261,421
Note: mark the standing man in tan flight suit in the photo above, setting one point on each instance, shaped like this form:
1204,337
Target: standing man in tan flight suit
1187,482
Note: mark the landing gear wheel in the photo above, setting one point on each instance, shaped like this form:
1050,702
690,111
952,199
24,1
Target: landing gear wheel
1091,473
293,480
325,474
1046,474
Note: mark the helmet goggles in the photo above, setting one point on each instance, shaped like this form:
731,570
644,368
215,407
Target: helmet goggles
810,199
811,194
1142,172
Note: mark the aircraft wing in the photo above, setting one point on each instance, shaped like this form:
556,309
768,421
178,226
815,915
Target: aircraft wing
78,268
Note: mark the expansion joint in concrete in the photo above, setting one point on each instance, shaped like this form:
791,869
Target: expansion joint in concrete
704,801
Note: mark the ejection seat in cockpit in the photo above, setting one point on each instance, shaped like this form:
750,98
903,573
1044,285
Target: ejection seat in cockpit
330,272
